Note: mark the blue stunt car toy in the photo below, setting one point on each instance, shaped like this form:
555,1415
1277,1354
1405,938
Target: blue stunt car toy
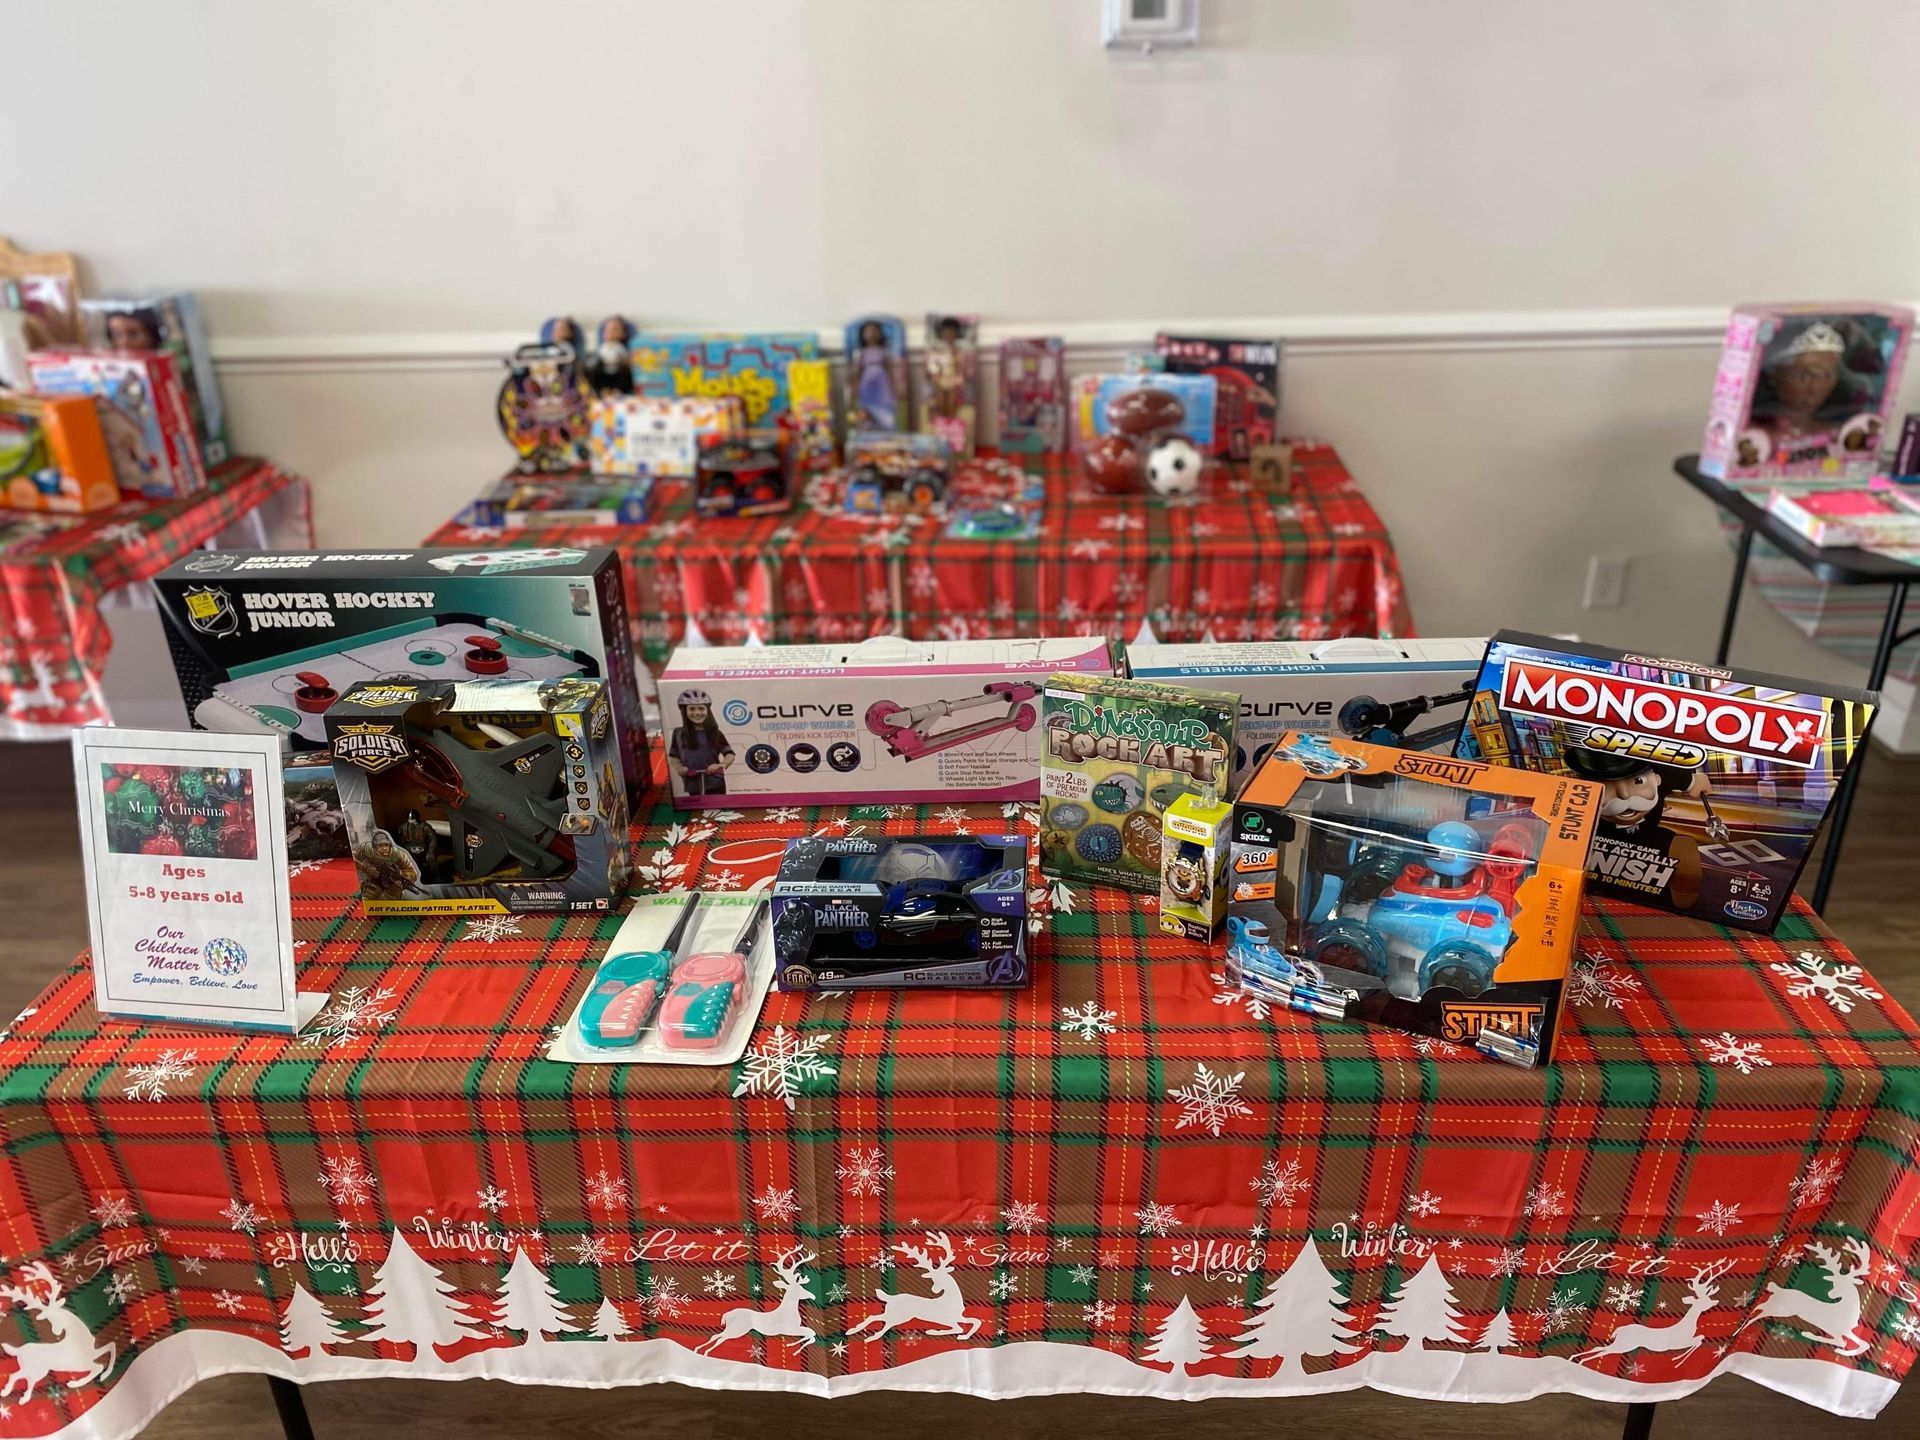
1438,916
1313,754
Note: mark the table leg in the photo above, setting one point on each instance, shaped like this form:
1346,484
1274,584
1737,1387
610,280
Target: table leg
1639,1420
1843,802
1740,554
293,1410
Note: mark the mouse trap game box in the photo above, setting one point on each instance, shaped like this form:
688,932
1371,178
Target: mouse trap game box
1714,781
1434,895
482,796
1114,755
268,641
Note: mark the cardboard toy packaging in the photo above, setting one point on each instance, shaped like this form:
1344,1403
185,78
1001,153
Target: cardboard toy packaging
657,435
520,502
481,796
143,414
751,367
1247,409
1410,694
1117,754
910,912
1714,781
1193,866
1805,391
885,721
1434,895
53,456
169,322
270,640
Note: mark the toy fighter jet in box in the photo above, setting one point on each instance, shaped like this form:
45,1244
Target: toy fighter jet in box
499,803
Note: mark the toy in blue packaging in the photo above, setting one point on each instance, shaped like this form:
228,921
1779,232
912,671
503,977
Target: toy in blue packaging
753,367
876,347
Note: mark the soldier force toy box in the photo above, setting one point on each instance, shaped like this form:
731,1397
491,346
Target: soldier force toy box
1714,780
481,796
268,641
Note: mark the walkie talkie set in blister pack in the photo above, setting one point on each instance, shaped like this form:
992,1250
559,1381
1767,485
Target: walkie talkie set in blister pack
681,984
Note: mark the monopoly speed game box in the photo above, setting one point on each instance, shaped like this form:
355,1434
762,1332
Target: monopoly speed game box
1714,781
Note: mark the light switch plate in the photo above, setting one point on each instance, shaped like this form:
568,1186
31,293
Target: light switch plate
1148,25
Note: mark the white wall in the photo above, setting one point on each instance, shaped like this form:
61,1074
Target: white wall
1507,229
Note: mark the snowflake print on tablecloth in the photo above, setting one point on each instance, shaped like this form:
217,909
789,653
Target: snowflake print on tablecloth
784,814
490,929
1228,993
304,867
593,1250
864,1172
1024,1217
663,1299
1596,980
1089,1021
491,1199
776,1204
345,1179
1099,1314
1726,1048
1718,1218
606,1192
1002,1285
719,1284
1155,1219
1209,1101
955,816
122,1287
1424,1205
1560,1310
1623,1295
1908,1330
1815,1183
229,1302
242,1217
113,1211
782,1063
1811,977
1278,1184
354,1014
1083,1274
1509,1262
150,1080
1544,1199
192,1264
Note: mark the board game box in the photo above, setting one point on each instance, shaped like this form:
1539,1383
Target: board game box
267,641
753,367
1714,781
1115,755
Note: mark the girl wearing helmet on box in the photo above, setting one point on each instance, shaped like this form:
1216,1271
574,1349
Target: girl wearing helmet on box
697,749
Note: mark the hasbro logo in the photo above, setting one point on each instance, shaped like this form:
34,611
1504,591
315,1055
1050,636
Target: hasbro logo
736,712
1746,909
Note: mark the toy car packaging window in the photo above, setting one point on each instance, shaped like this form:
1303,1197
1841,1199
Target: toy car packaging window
1713,781
1438,896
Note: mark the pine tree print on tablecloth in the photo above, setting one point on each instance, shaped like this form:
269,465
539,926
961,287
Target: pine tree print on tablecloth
307,1328
528,1301
1303,1313
1181,1340
1423,1311
410,1304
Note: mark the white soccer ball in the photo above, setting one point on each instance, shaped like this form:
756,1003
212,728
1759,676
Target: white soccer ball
1173,467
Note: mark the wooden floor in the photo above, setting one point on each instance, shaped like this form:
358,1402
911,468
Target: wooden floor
1875,907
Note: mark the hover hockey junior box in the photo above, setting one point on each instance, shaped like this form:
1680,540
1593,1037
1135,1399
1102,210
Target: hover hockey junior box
886,720
1715,780
1410,694
268,641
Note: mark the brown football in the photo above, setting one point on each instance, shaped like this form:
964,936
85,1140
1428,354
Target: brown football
1146,411
1113,465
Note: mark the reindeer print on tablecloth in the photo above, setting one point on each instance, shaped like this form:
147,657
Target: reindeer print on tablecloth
1679,1338
944,1312
71,1355
781,1320
1834,1322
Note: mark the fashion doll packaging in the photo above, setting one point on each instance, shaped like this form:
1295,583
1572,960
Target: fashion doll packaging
1804,391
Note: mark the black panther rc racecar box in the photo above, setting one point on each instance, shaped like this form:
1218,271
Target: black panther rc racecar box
481,796
902,912
268,641
1714,781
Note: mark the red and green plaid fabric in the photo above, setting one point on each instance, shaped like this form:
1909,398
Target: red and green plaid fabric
1148,1184
54,571
1307,562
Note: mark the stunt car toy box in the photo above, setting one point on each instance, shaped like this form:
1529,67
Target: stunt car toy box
902,912
143,415
886,721
1117,754
481,796
1410,694
1714,781
267,641
1434,895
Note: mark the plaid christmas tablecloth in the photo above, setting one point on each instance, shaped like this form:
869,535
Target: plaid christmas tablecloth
1308,562
1128,1179
55,570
